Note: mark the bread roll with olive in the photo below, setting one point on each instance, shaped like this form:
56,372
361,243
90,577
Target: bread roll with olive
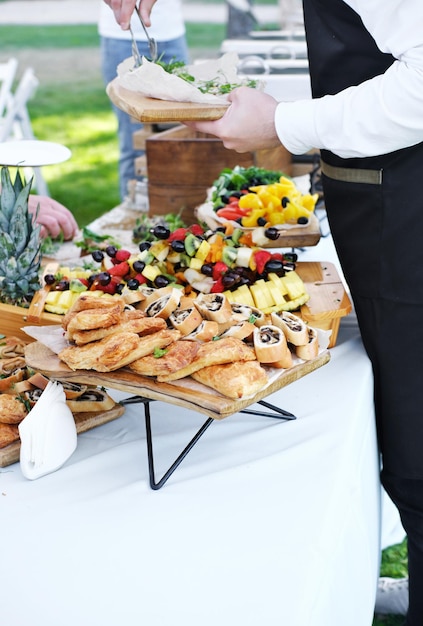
271,347
293,327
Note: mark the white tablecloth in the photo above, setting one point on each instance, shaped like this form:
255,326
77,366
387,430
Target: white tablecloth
265,522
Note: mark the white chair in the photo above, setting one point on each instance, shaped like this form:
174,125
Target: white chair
7,77
15,123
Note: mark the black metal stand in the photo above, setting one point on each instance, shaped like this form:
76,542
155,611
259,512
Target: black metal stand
276,412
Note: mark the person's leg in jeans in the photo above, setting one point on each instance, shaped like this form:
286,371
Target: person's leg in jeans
113,52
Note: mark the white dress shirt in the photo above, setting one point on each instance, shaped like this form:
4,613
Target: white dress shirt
167,22
380,115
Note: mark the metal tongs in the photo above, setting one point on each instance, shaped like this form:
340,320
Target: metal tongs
152,44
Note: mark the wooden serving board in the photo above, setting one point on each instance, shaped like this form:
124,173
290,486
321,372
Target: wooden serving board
84,421
185,392
152,110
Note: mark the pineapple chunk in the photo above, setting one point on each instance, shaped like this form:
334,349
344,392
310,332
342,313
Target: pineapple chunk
196,263
203,251
151,272
276,293
294,285
246,295
278,281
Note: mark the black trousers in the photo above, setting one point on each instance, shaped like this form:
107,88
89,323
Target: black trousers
378,234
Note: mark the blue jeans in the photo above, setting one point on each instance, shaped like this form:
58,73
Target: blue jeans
113,52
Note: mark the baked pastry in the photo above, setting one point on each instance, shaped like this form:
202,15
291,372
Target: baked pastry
185,320
9,433
293,327
141,325
250,313
115,351
90,319
152,294
310,350
178,354
87,301
92,400
206,331
224,350
72,390
11,347
7,384
271,347
165,305
214,306
241,330
234,380
12,410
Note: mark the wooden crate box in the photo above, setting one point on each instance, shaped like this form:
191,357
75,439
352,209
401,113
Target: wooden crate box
182,164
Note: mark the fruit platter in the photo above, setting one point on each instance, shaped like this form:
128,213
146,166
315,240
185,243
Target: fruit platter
267,205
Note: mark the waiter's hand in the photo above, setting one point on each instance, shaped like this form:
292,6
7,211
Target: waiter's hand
53,217
123,10
248,123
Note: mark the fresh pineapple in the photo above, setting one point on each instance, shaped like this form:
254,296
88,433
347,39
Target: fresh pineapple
286,293
20,243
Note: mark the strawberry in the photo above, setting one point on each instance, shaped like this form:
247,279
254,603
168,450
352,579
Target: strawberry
178,234
121,269
219,268
196,229
121,255
217,286
140,278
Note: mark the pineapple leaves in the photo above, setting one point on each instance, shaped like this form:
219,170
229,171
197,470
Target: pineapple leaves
20,242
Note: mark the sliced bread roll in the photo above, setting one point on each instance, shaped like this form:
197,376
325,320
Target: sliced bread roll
271,347
241,330
250,313
214,306
92,400
204,332
165,305
185,320
294,329
310,350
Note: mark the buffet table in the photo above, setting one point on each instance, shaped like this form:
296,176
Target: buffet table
264,522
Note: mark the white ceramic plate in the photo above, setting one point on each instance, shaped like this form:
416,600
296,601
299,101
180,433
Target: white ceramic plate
32,153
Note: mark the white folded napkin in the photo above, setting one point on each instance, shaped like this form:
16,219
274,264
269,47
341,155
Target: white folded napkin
48,434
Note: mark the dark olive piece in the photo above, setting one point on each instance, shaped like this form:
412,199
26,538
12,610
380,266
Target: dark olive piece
111,251
98,255
138,266
133,284
161,281
160,231
104,278
272,233
49,279
178,245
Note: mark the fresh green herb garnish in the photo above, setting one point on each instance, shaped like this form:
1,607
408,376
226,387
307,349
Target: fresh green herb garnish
159,352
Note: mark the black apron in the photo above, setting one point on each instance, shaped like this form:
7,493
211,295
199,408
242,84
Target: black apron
378,234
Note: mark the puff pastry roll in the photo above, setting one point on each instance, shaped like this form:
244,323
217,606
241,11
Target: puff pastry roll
250,313
294,329
204,332
185,320
310,350
165,305
214,306
91,400
271,347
